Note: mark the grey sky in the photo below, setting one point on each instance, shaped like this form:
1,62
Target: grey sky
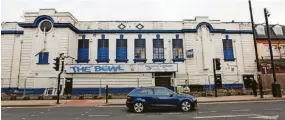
95,10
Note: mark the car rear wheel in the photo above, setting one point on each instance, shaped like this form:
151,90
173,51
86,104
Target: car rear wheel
185,106
138,107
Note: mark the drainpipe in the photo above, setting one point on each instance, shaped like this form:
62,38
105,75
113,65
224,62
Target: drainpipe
202,47
236,57
20,64
169,50
45,41
12,61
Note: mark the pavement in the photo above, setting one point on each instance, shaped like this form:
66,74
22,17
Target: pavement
258,110
114,102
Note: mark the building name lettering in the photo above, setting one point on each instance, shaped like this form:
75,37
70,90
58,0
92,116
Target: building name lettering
114,68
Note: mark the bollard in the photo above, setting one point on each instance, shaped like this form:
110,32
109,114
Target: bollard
25,84
138,82
100,87
106,92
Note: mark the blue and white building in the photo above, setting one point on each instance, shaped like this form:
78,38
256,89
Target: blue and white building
122,54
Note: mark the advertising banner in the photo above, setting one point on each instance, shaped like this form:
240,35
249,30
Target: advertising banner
119,68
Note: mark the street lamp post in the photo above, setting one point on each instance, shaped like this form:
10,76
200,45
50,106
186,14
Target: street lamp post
256,53
276,91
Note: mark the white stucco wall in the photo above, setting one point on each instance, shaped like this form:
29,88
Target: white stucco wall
198,70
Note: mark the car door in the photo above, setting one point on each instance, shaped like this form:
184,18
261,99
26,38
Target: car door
164,97
147,95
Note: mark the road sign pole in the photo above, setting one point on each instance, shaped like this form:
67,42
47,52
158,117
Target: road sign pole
58,81
214,69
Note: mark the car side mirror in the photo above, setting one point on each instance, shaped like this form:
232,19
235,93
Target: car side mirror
171,95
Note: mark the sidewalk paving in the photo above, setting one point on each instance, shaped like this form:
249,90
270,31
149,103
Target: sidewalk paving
114,102
31,103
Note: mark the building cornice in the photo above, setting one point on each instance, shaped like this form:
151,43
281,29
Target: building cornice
76,30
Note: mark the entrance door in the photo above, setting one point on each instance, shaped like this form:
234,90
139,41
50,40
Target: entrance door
68,86
163,79
246,80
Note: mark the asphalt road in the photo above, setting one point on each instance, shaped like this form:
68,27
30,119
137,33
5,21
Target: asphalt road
215,111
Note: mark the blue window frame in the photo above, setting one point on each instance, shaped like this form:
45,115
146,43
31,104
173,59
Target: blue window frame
83,51
177,50
43,58
121,50
158,50
103,50
140,51
228,49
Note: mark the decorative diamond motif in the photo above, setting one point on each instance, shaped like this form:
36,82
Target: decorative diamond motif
139,26
121,26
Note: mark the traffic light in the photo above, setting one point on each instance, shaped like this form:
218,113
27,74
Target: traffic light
218,64
56,67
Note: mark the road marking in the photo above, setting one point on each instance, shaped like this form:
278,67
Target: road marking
134,114
82,114
23,118
35,107
32,115
112,106
172,113
241,110
76,118
225,116
273,109
41,112
86,112
98,115
208,112
275,117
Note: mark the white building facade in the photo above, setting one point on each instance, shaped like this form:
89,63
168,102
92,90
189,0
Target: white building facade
122,54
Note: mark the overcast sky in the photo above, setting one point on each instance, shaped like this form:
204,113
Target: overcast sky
98,10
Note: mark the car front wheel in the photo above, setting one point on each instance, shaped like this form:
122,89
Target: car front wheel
138,107
185,106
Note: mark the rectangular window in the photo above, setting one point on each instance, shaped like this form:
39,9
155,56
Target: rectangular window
83,50
158,49
140,49
275,51
228,50
177,48
282,51
103,50
121,51
266,51
43,58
